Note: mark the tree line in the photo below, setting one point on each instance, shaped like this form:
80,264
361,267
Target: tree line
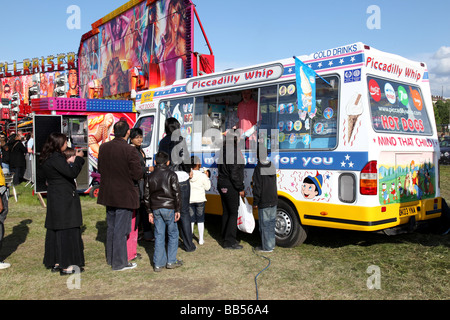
442,115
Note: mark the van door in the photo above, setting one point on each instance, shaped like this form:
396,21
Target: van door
411,178
43,126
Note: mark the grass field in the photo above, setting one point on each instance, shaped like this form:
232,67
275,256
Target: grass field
331,264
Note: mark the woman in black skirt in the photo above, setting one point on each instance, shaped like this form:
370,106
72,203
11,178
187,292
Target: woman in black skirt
63,244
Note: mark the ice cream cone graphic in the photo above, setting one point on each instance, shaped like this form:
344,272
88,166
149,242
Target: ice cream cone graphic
354,111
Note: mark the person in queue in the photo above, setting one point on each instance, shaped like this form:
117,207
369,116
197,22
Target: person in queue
162,197
17,161
180,162
63,243
231,186
3,214
120,167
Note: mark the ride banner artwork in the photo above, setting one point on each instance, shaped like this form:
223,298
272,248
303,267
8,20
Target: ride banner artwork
151,36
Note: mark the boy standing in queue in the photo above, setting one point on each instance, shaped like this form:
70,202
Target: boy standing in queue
265,199
162,197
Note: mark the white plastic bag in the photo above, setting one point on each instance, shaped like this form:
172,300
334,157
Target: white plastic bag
246,221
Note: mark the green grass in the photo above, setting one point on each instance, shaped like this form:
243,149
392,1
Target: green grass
445,181
331,264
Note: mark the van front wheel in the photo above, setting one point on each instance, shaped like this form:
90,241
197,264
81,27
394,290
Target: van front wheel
288,230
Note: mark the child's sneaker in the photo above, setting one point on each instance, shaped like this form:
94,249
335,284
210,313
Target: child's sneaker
4,265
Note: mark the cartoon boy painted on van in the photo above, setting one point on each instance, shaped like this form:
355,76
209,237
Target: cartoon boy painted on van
312,186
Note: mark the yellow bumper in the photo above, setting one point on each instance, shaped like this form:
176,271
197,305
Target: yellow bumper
351,217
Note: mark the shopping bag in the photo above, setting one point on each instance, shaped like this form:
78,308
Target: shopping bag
246,221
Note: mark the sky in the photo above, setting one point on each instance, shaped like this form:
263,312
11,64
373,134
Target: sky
247,32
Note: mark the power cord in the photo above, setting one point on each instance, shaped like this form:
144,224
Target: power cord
256,282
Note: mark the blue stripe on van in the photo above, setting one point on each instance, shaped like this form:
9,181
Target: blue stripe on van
306,160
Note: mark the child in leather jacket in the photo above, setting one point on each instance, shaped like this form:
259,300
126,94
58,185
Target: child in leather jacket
162,199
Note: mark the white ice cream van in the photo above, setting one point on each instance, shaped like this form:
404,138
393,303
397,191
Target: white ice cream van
362,156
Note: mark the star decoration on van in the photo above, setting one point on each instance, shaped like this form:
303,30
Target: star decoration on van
350,163
330,63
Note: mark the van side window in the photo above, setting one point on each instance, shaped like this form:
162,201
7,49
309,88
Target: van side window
183,111
308,129
146,125
205,120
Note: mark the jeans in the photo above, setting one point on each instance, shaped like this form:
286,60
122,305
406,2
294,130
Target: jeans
267,218
165,218
197,211
119,227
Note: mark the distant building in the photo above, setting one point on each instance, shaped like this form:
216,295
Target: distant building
437,98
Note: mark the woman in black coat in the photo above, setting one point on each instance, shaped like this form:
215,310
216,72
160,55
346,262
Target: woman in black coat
63,244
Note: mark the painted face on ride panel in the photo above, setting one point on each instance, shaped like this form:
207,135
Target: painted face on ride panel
114,84
73,79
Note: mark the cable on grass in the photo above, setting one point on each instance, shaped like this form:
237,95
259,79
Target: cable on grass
256,277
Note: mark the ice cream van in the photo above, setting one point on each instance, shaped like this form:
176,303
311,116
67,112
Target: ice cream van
351,132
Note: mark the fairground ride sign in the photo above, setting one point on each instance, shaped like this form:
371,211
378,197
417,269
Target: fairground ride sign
61,62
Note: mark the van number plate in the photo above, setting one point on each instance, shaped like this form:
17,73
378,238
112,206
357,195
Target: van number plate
407,211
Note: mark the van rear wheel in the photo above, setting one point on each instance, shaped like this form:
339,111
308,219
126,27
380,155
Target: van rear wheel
288,230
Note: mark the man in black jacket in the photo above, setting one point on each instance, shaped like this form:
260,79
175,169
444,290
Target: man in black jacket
120,167
162,198
231,186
